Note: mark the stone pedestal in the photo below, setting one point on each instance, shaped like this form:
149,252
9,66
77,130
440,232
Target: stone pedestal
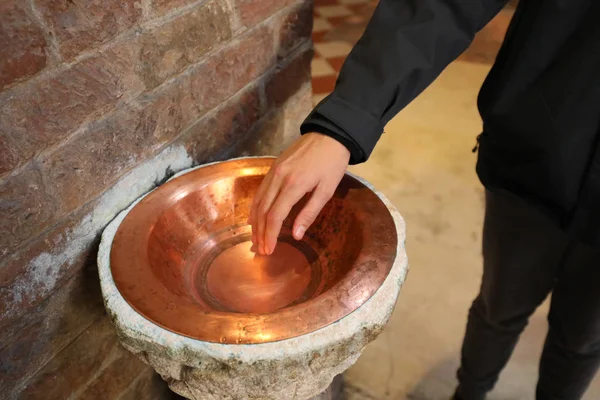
335,391
299,368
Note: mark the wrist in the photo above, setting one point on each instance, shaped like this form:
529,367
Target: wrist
339,144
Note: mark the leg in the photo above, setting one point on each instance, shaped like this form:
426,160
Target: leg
572,351
521,254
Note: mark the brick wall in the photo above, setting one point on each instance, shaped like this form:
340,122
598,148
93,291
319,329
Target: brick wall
101,100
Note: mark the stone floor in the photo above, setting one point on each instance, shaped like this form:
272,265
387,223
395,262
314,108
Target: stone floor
425,166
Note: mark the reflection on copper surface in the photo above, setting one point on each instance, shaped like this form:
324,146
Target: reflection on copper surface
243,281
183,258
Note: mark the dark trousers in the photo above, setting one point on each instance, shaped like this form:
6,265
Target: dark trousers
526,258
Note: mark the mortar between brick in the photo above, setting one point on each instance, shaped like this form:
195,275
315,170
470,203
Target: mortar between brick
48,33
84,234
53,260
260,81
131,101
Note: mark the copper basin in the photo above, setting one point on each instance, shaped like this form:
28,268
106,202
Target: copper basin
183,258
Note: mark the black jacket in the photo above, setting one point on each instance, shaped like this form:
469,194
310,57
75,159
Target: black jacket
540,103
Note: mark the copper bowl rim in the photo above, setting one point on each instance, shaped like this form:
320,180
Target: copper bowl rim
235,328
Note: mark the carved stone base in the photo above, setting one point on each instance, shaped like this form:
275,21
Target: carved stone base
291,369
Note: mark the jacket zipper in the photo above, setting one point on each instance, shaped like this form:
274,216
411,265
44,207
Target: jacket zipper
477,143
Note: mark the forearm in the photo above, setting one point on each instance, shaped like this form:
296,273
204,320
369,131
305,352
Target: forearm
404,48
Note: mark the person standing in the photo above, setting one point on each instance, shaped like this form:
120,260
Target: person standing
539,160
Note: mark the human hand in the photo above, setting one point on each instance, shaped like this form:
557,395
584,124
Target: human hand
314,163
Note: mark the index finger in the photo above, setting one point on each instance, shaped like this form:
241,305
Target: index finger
258,198
287,198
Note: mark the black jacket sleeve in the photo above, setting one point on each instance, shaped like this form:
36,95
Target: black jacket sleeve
405,47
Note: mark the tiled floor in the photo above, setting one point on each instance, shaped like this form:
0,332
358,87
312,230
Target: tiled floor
337,26
424,165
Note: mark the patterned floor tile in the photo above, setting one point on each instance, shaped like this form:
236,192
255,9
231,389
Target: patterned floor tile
337,26
333,49
336,62
333,11
318,97
348,2
323,84
319,37
321,67
321,24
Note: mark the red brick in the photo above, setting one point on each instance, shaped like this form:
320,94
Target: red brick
170,48
295,28
278,129
207,85
75,366
88,164
231,69
264,138
8,156
43,113
253,12
289,79
29,275
91,162
220,131
164,6
148,386
22,42
25,208
115,378
39,335
81,24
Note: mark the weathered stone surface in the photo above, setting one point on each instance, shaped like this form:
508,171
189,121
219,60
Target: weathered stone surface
30,275
26,208
80,25
295,28
252,12
39,335
22,42
170,48
298,368
289,78
40,315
